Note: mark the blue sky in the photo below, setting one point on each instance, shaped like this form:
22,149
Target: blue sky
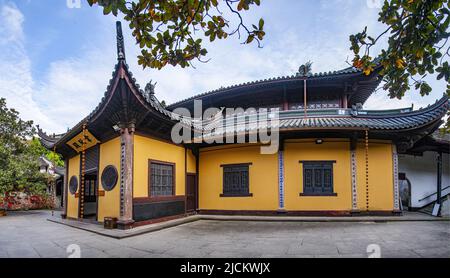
57,60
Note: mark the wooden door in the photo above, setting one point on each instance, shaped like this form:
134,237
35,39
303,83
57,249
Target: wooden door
90,189
191,192
90,197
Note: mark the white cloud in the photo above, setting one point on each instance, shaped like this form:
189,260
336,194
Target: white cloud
11,27
16,82
288,44
71,87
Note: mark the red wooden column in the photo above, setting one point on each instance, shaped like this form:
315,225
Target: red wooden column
285,102
126,176
344,101
65,189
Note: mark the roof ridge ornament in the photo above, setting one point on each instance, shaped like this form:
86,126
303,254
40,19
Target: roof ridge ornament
305,70
150,88
120,42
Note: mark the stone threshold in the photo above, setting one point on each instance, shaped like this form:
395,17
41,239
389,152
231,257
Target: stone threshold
119,234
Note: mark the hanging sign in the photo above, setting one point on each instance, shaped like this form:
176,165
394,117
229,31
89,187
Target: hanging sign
76,142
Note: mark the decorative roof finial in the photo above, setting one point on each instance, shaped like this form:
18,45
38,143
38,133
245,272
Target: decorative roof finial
305,69
120,43
150,88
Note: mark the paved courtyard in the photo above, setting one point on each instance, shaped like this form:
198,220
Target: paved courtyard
29,234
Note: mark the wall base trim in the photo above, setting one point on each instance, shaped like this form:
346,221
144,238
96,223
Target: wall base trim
159,220
300,212
355,212
377,213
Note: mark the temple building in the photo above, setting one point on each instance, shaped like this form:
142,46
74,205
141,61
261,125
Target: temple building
55,186
332,157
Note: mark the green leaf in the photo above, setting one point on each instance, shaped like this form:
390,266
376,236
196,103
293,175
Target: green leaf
167,30
425,89
106,10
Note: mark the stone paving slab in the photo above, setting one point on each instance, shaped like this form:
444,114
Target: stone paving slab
119,234
31,235
116,233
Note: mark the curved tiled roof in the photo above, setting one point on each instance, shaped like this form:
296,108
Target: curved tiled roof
48,141
149,100
345,71
402,119
153,102
350,118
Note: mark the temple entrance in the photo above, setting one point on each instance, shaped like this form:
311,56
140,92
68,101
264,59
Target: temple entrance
59,193
191,192
90,196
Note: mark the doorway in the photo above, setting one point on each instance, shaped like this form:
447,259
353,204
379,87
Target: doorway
191,193
59,193
90,196
405,191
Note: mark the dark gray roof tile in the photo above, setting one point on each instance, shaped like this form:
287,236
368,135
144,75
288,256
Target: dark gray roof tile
393,121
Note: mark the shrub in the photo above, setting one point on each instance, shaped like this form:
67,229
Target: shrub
24,201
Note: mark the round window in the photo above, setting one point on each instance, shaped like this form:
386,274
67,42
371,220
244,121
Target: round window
73,185
109,177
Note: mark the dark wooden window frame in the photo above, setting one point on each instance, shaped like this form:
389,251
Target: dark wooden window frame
71,186
158,198
318,162
114,178
248,180
90,189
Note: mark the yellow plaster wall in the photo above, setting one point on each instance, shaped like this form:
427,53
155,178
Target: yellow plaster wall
381,185
147,148
72,202
109,205
263,178
190,162
330,149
